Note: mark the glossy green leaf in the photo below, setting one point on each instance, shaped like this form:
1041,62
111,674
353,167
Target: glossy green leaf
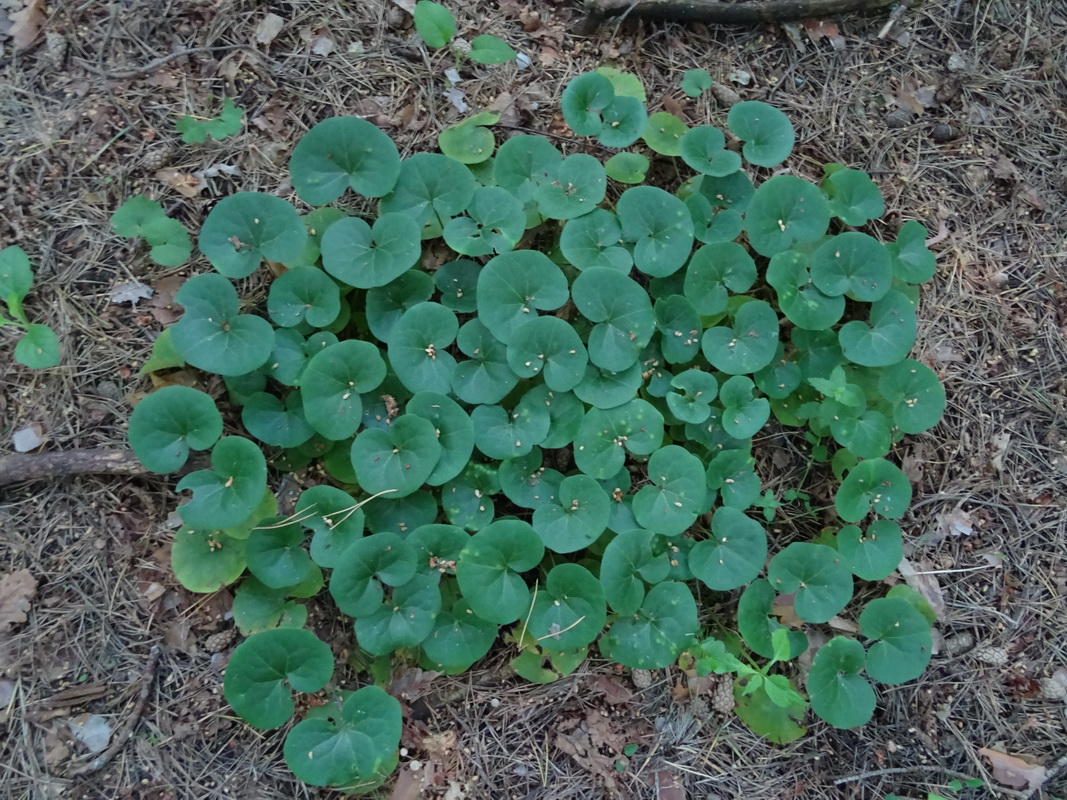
458,283
170,421
584,98
854,264
228,492
743,415
212,335
434,23
548,346
704,149
455,433
748,345
485,377
692,403
785,211
623,315
605,435
713,223
874,554
303,294
732,192
565,412
915,393
260,668
823,585
733,554
257,607
365,566
467,500
777,724
431,189
404,620
500,434
624,121
669,505
417,348
469,142
731,472
275,554
206,560
902,643
854,197
713,269
387,304
38,348
627,167
495,223
490,566
401,515
654,635
628,564
867,436
576,519
513,286
594,240
569,610
486,49
912,261
526,482
766,132
342,153
873,485
574,187
839,694
146,218
664,133
459,639
16,274
332,383
399,459
246,227
659,225
364,257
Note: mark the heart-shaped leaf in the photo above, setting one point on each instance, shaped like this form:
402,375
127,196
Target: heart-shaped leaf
365,566
664,133
168,422
458,283
455,433
575,186
625,121
704,149
902,641
873,485
749,345
628,564
513,286
565,412
731,473
584,99
527,483
757,624
335,519
873,555
206,560
695,82
912,261
839,694
742,414
671,503
887,336
785,211
576,519
500,434
854,264
693,402
800,300
468,499
277,423
431,189
230,491
341,153
469,142
364,257
549,346
485,377
654,635
494,223
490,566
734,553
332,383
303,294
569,610
627,167
212,335
404,620
605,435
713,267
387,304
917,396
398,460
417,348
257,607
146,218
823,585
401,515
659,225
244,228
854,197
713,223
459,638
262,665
275,555
766,132
623,313
867,436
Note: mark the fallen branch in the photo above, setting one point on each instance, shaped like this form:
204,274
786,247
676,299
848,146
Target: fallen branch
124,734
732,13
34,466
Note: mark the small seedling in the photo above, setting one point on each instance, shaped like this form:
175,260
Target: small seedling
37,346
195,130
436,26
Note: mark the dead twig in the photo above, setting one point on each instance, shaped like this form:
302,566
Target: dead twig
124,734
34,466
729,13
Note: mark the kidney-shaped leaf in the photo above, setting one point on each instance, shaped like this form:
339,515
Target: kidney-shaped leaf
404,620
246,227
784,211
513,286
431,189
704,149
575,186
852,263
823,585
659,225
332,383
854,197
168,422
593,240
364,566
839,694
873,485
398,460
459,638
902,641
303,293
494,223
485,377
912,261
230,491
551,347
583,101
623,313
605,435
275,555
654,635
490,566
628,564
417,348
917,396
455,433
343,152
262,665
569,610
886,337
766,132
733,554
364,257
670,504
576,519
749,345
874,554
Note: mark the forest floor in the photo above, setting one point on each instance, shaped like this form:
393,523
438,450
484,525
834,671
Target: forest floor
959,112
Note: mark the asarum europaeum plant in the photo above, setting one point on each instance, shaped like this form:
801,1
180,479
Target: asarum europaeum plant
536,408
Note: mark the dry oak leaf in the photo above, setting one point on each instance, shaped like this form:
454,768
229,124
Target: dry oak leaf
16,591
27,24
1014,771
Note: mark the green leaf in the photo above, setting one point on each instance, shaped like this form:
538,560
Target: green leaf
839,694
866,436
565,412
671,503
757,624
915,600
605,435
628,564
733,555
168,422
915,393
873,485
854,264
873,555
260,667
401,515
659,225
624,121
431,189
195,130
854,197
766,132
437,547
576,519
399,459
16,274
469,142
732,192
434,23
495,223
627,167
692,404
303,294
212,335
912,261
655,635
164,355
802,303
527,483
486,376
350,749
455,433
704,149
206,560
742,415
459,638
467,500
332,383
680,328
364,257
275,555
584,98
775,723
458,283
387,304
341,153
695,82
227,493
490,566
549,346
785,211
713,223
575,186
512,286
257,607
714,268
749,345
500,434
246,227
623,315
277,423
364,566
404,620
664,133
417,348
593,240
488,49
902,641
569,610
823,585
38,348
731,473
604,389
167,237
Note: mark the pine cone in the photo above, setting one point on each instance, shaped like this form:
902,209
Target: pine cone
722,696
55,49
461,47
1051,689
994,656
217,642
642,678
157,157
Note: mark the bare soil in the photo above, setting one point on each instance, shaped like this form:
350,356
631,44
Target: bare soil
959,111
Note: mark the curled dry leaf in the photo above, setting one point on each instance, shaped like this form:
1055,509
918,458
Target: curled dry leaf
920,578
16,591
1014,771
182,182
26,24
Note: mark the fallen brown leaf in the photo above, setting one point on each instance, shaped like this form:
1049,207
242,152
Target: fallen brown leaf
185,184
269,28
27,24
17,589
919,577
1014,771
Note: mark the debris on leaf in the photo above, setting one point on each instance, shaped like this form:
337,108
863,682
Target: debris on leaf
1014,771
17,589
